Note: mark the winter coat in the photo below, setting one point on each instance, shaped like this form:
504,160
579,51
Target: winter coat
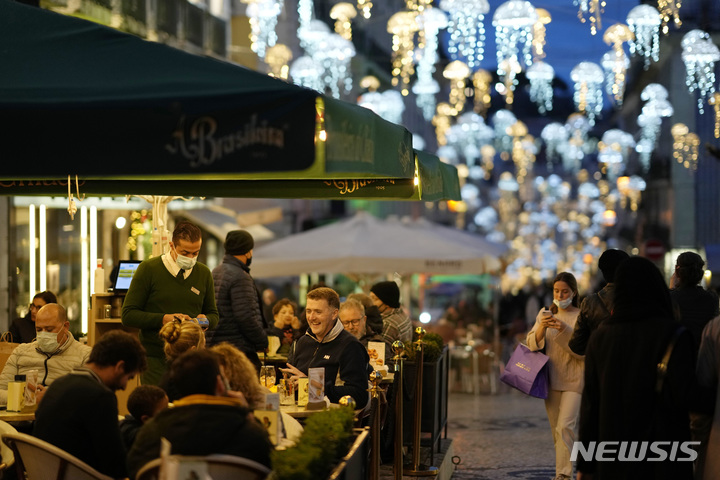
696,307
26,356
240,306
344,358
619,401
594,310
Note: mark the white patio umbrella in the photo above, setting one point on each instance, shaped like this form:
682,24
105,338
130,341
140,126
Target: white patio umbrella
365,244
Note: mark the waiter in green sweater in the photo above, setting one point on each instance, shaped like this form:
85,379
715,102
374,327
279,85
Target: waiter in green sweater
167,287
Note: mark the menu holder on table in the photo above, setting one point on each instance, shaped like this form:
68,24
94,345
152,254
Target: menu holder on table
376,352
316,389
269,417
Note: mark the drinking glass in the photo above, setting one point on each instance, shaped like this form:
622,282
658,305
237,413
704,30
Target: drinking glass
287,391
267,375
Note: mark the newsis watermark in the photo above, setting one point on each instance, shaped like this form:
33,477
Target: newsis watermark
616,451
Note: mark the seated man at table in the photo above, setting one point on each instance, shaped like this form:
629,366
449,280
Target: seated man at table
353,318
79,412
205,420
327,344
54,353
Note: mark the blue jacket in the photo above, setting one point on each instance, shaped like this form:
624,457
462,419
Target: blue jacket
344,358
238,301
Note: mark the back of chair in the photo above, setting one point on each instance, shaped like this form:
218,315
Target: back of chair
220,467
8,457
41,460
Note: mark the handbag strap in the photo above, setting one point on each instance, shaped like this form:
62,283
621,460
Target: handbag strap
663,365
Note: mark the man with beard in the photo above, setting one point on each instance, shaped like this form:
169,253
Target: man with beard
79,412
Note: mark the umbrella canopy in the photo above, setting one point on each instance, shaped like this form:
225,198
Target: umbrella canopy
82,99
365,244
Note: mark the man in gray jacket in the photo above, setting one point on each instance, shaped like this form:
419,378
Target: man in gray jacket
238,300
54,353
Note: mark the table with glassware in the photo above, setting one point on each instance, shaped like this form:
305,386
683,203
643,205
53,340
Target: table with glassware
24,416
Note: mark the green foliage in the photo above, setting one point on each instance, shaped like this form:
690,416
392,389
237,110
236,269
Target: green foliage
325,440
431,352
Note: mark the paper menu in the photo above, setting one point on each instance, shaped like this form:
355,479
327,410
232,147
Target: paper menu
376,352
270,420
316,385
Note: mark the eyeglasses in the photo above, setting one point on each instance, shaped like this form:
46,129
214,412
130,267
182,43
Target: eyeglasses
354,322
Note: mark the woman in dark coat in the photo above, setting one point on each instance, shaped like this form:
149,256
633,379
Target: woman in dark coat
619,401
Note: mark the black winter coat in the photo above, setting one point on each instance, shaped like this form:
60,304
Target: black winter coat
619,400
240,307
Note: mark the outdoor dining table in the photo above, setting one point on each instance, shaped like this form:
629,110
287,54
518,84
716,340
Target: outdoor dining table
24,416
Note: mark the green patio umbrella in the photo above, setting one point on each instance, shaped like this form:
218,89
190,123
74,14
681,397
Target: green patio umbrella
129,116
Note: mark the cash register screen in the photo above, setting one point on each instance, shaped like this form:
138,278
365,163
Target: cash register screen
126,270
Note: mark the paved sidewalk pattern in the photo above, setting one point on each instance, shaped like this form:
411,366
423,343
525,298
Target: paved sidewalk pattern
500,437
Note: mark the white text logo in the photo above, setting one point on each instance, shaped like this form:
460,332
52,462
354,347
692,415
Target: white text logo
635,451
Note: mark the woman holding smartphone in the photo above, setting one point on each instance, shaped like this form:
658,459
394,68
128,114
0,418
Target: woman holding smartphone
552,331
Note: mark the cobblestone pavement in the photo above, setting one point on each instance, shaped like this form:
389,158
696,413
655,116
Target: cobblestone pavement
500,437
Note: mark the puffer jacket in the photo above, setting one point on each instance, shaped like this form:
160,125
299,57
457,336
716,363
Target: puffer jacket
27,356
239,305
594,310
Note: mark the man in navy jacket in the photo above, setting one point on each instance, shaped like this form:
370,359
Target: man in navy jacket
327,344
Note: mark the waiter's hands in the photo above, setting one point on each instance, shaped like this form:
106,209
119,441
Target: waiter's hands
169,317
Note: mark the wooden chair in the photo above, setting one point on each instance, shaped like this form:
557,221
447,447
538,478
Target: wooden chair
40,460
220,467
8,456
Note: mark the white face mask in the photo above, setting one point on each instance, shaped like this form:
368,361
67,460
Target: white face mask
47,341
186,263
563,304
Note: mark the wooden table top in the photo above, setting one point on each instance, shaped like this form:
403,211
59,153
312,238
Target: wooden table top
24,416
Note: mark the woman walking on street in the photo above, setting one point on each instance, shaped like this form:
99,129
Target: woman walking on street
552,331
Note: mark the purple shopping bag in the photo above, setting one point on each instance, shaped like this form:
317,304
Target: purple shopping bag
527,371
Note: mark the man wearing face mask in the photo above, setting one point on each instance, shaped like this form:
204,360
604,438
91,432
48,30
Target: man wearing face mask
242,322
170,286
54,353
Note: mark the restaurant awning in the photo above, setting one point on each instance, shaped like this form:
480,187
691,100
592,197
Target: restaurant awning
82,99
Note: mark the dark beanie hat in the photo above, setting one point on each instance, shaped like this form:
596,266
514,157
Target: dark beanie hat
238,242
388,293
609,261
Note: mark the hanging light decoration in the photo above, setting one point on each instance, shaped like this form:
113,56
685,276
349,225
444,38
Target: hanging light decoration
343,13
578,144
588,77
514,21
305,13
277,58
644,22
431,20
487,154
469,135
307,73
334,54
311,34
650,119
591,10
370,83
457,72
403,26
389,104
365,7
669,9
502,120
630,189
540,75
263,20
510,68
685,146
482,80
615,62
441,121
613,152
466,29
715,102
555,135
700,54
538,41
